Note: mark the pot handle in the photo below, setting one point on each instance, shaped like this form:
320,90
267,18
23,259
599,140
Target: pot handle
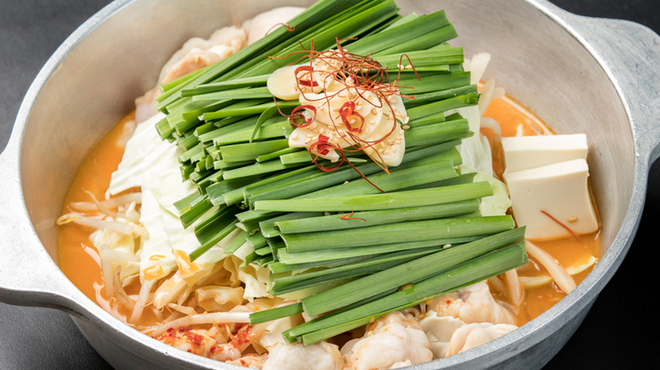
28,275
630,54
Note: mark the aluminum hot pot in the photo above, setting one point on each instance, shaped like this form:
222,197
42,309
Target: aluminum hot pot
579,74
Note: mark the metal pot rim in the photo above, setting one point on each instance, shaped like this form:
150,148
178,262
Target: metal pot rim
68,297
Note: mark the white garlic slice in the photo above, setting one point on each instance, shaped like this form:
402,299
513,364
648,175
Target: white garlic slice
282,83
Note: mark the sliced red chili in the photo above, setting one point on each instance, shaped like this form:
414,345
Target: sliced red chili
350,117
309,82
297,115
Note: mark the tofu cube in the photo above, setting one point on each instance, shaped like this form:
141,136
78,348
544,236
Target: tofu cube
558,189
526,152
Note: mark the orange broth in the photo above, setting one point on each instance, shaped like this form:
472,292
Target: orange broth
78,257
80,261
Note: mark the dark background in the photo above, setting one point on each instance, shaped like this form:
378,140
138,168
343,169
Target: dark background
620,332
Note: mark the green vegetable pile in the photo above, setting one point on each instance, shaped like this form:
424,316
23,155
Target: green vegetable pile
356,242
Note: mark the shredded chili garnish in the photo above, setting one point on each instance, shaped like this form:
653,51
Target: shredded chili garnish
288,28
577,238
357,78
348,217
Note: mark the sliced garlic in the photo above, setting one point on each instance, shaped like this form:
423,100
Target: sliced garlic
282,83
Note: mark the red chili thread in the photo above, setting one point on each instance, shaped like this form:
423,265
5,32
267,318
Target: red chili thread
577,238
288,28
411,65
348,217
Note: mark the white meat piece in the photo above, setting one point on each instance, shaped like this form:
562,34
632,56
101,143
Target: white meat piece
249,361
263,23
439,330
392,341
473,304
318,356
194,60
195,54
200,342
403,318
233,37
473,335
399,365
194,42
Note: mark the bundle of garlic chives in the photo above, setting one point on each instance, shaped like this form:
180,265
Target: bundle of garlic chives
398,233
469,272
357,187
365,267
489,256
406,273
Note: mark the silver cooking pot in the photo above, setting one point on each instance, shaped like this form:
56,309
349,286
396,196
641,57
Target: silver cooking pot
588,84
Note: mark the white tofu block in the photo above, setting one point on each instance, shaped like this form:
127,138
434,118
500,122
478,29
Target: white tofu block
526,152
559,189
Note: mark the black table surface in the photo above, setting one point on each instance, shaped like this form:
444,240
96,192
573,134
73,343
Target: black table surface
620,332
